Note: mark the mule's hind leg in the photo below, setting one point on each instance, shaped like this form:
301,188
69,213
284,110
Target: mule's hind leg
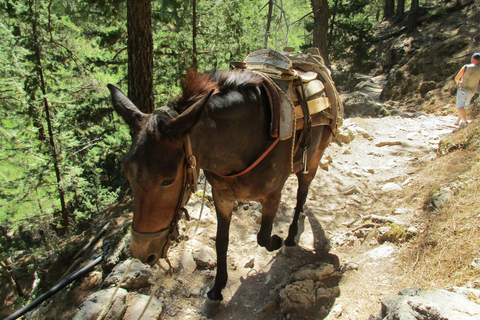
304,181
269,209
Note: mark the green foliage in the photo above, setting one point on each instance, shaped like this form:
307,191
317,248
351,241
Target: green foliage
351,34
66,53
49,51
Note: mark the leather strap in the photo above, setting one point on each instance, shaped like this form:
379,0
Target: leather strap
253,165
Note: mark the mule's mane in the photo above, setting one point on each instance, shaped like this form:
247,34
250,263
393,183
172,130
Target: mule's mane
196,85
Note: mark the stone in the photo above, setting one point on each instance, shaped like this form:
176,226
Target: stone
137,277
205,257
425,87
93,306
357,104
308,293
250,264
391,186
423,305
388,143
136,303
336,311
352,190
438,198
475,263
368,170
383,251
187,262
195,208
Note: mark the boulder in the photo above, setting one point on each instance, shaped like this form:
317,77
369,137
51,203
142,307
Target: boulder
205,257
137,277
96,302
422,305
426,86
358,104
308,293
136,303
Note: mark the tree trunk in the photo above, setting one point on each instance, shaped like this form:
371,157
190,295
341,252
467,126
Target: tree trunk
140,54
194,35
389,9
269,21
332,22
51,137
412,17
320,29
400,9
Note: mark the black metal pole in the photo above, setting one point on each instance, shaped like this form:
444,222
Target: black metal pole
72,277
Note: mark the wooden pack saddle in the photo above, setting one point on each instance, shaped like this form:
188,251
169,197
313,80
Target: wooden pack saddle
300,89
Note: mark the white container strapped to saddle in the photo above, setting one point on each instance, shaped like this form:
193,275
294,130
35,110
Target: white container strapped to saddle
300,89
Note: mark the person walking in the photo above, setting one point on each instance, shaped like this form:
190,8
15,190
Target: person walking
467,79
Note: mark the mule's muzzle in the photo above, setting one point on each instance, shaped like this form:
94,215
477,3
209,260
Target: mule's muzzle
150,247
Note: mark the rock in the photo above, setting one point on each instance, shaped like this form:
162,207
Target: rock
250,264
116,248
96,302
388,143
344,135
368,170
137,277
400,211
383,251
475,263
352,190
187,262
195,208
205,258
356,173
336,311
349,266
422,305
425,87
359,104
309,291
136,303
438,198
391,186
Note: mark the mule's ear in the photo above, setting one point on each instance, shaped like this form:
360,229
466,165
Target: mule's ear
187,119
126,109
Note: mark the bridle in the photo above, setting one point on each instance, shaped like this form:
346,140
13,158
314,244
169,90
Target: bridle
189,186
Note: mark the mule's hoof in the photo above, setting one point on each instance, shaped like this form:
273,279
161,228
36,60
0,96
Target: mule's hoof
288,250
210,307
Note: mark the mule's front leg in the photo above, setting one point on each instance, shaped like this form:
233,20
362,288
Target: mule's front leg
224,214
269,209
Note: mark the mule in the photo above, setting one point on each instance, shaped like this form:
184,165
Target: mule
223,121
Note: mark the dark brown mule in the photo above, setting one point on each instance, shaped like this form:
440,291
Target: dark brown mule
229,130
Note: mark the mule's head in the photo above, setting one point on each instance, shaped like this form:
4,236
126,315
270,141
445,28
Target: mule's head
155,166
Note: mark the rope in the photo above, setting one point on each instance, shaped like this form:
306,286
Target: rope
293,137
155,287
201,208
110,302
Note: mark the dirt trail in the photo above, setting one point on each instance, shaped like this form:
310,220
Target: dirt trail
364,177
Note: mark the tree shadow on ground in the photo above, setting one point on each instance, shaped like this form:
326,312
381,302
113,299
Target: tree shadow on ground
281,287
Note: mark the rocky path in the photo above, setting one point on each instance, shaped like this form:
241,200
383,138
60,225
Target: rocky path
358,188
363,176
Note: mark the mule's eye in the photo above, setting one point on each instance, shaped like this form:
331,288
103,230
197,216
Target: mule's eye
168,182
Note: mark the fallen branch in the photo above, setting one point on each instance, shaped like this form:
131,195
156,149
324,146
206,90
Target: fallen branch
10,277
